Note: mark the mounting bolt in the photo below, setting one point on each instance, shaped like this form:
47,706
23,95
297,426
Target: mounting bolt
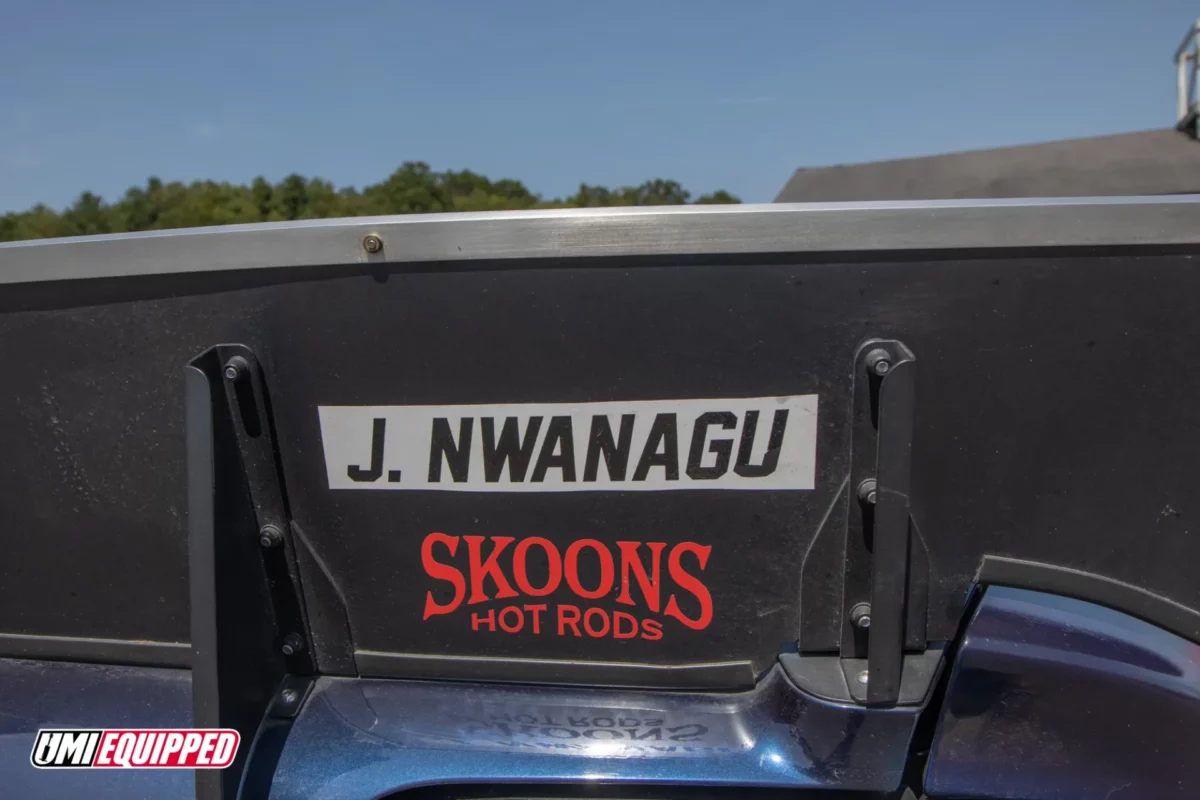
236,368
860,616
879,361
293,643
863,677
289,696
270,536
372,243
868,491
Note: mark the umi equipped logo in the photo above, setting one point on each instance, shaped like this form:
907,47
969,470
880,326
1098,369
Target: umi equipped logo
659,445
156,748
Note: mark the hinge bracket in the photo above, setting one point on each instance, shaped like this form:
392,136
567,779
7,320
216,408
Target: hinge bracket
886,581
250,636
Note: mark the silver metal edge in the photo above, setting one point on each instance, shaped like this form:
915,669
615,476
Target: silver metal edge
619,232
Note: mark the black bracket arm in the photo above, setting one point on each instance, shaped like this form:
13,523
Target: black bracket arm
886,584
252,662
889,568
869,552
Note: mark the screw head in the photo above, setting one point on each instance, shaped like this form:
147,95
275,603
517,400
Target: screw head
293,643
270,536
372,243
236,368
860,616
863,677
868,491
289,696
879,361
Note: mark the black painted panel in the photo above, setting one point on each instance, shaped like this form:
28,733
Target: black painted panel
1055,421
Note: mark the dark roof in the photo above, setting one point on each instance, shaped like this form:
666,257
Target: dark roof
1147,163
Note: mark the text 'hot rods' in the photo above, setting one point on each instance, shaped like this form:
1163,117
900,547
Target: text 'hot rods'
654,445
612,590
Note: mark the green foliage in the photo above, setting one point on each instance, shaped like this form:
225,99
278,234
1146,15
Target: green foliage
719,197
412,189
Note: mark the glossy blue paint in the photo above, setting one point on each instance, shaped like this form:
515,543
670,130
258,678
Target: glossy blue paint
56,694
1053,698
359,739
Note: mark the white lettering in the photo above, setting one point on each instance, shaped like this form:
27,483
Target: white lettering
224,751
47,748
191,744
204,757
72,748
124,749
174,742
106,749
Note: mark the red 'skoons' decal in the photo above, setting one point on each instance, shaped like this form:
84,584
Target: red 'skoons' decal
494,568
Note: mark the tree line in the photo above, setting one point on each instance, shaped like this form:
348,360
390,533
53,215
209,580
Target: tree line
414,188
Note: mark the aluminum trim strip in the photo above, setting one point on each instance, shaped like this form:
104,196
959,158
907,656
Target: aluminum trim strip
621,232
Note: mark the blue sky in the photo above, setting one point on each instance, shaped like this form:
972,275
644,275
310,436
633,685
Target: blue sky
734,94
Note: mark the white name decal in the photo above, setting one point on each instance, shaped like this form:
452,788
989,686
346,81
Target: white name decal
655,445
